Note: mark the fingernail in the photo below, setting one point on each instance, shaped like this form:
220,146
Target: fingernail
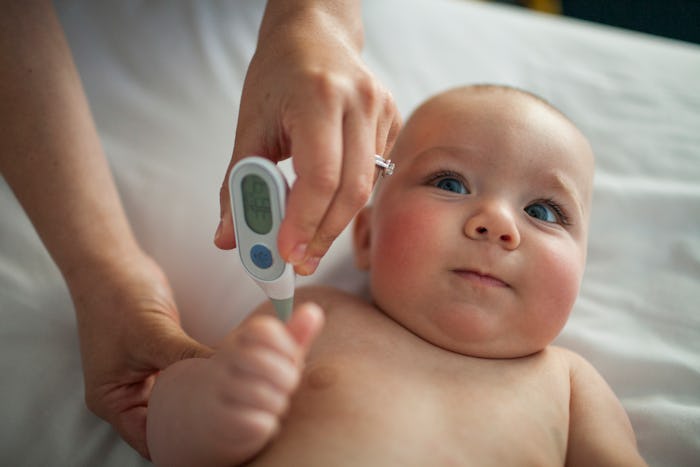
298,254
311,264
219,230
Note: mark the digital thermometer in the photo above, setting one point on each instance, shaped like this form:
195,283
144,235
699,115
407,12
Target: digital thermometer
258,192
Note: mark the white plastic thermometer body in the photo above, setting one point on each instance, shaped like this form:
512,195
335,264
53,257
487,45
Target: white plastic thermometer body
258,194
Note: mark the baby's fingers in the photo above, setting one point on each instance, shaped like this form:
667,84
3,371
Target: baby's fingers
267,365
264,358
255,393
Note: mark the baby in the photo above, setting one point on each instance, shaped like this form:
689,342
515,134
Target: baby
475,249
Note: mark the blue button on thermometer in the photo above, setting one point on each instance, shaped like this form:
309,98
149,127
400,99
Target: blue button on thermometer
258,195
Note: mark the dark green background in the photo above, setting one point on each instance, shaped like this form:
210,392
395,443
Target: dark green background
677,19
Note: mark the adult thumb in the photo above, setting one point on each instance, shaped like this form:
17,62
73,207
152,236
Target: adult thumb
224,237
177,346
305,324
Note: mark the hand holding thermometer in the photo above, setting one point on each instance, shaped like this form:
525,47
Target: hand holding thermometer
258,195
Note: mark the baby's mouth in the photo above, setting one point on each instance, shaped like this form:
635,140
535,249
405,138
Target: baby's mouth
480,278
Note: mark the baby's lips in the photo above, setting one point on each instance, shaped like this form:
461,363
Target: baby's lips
481,278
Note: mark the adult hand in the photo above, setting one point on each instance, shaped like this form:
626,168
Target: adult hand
231,403
50,154
308,94
129,331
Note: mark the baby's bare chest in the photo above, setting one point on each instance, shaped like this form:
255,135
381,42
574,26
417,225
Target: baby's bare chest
401,401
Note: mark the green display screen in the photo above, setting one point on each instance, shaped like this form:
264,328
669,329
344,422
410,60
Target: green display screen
256,204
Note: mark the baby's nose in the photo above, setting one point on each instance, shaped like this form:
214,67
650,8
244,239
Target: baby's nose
493,223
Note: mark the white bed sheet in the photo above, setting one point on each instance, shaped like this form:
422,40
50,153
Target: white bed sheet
164,79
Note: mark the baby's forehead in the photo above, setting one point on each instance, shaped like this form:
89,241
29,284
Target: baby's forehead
494,108
487,102
518,120
519,127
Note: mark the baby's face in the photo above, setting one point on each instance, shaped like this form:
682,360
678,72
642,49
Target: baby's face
477,243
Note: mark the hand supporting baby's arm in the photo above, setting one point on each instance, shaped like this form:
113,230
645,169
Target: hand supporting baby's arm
223,410
600,432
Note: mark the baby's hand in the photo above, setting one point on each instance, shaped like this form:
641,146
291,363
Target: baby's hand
225,409
263,362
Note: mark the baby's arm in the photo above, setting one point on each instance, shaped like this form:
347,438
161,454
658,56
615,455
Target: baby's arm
224,409
600,432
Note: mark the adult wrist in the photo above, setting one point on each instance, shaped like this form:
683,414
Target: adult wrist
340,18
87,271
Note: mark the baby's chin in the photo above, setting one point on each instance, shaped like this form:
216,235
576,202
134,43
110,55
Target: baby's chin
472,340
491,350
471,329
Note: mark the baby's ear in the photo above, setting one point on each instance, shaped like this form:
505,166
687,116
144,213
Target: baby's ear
362,237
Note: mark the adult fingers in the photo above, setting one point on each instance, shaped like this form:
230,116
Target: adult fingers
370,128
317,157
388,126
355,187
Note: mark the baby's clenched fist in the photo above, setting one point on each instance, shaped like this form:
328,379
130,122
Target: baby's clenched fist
232,402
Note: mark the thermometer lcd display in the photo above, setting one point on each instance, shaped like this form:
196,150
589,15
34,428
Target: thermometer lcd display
256,204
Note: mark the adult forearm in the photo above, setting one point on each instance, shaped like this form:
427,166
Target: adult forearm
50,153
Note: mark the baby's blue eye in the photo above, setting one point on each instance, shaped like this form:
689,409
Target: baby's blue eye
451,184
542,212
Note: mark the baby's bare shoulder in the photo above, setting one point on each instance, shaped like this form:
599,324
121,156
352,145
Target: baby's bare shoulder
568,358
600,430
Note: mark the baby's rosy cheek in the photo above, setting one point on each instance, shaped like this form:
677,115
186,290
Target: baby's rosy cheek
398,247
406,238
560,281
